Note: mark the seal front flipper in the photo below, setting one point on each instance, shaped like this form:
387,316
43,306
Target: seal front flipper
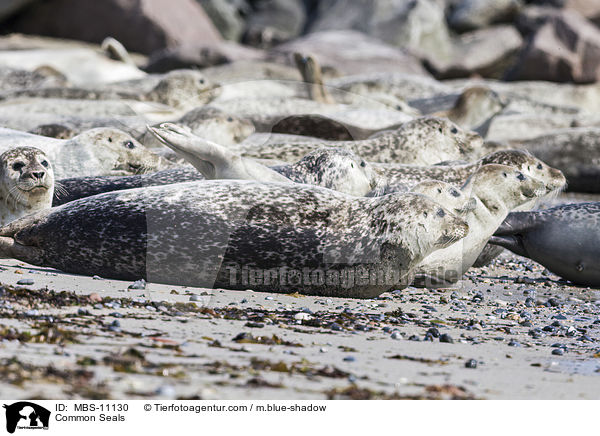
9,248
517,223
513,243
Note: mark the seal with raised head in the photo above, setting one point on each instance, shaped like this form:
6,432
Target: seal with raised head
332,168
402,177
497,189
564,239
26,183
240,234
101,151
423,141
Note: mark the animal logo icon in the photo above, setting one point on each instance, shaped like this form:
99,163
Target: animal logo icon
26,415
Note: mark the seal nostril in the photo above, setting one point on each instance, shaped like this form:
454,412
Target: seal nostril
39,175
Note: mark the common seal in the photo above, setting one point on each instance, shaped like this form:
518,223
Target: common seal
423,141
319,126
182,89
475,108
564,239
26,183
574,151
215,233
332,168
497,189
100,151
213,160
402,177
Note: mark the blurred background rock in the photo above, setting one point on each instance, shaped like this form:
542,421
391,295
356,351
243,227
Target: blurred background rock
555,40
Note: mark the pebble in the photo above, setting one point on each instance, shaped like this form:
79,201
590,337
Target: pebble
323,350
558,351
302,316
471,363
335,326
25,282
268,297
195,298
446,338
514,343
166,391
349,359
434,332
138,284
82,311
396,335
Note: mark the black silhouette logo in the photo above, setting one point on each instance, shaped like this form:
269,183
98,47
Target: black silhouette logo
26,415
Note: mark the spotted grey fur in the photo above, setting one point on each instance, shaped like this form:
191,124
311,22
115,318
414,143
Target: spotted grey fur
337,169
423,141
206,233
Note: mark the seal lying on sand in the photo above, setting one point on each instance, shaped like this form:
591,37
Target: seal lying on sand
423,141
331,168
238,235
497,189
564,239
96,152
26,183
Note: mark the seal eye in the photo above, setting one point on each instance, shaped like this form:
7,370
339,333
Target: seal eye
109,139
539,166
441,213
363,164
440,130
17,166
425,214
505,175
230,119
439,190
454,130
129,144
352,165
455,193
45,163
201,81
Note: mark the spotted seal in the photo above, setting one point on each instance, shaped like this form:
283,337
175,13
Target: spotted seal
423,141
183,89
332,168
337,169
574,151
100,151
474,108
497,189
26,183
238,235
564,239
402,177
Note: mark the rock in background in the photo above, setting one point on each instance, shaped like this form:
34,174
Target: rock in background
555,40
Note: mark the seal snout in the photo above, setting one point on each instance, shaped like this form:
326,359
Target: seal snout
456,230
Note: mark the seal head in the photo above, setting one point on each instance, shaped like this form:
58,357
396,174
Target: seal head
26,182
